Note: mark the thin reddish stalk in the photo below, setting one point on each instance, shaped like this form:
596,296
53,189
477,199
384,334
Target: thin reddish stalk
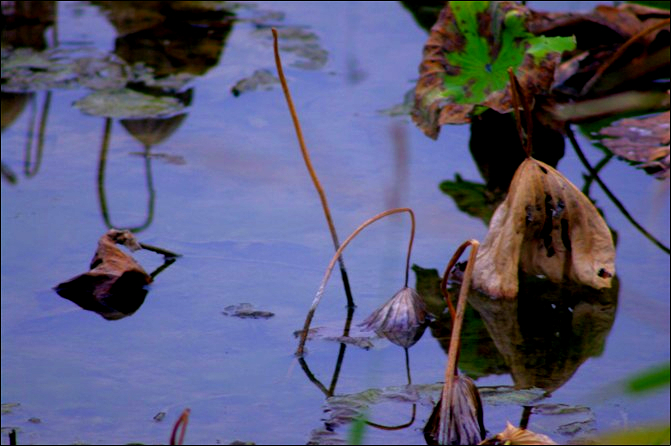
308,164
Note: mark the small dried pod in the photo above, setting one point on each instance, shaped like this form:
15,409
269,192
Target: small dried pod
402,319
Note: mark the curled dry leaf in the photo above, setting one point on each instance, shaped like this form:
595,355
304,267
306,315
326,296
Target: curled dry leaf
545,226
466,59
644,141
516,435
115,287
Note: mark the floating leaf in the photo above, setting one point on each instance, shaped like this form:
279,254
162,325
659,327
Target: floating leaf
260,79
127,103
467,56
516,435
644,141
116,285
545,226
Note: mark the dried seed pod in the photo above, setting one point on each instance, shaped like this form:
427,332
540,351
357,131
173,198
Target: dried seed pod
402,319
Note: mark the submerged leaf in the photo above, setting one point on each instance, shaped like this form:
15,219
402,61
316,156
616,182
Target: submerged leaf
246,311
545,226
467,56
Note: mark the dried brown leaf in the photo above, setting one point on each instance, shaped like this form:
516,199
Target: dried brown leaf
644,141
115,286
545,226
516,435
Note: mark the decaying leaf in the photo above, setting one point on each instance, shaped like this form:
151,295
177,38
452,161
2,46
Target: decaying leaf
116,285
462,422
644,141
516,435
401,319
545,226
466,59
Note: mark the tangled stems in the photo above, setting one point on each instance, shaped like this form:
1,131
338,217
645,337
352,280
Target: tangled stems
336,256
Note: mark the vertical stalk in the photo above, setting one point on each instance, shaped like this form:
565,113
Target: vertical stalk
311,170
336,256
455,339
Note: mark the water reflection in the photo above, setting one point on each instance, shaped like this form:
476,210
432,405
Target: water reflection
25,25
549,330
160,49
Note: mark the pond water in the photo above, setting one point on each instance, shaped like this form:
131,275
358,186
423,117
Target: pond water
225,186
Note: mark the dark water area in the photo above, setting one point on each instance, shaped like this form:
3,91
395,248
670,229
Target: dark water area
215,174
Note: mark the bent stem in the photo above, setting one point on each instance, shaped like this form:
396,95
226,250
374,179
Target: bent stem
336,256
443,283
455,339
180,425
311,170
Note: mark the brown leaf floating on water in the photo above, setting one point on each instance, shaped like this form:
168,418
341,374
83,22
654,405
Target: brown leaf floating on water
642,140
545,226
516,435
115,287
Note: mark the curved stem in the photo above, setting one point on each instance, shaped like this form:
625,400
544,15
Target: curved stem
180,425
336,256
311,170
610,195
443,283
455,338
397,427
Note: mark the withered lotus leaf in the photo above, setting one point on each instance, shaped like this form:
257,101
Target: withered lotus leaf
545,226
516,435
115,286
642,140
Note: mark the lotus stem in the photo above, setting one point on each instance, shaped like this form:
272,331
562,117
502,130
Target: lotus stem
336,256
520,101
311,170
443,283
180,425
455,338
